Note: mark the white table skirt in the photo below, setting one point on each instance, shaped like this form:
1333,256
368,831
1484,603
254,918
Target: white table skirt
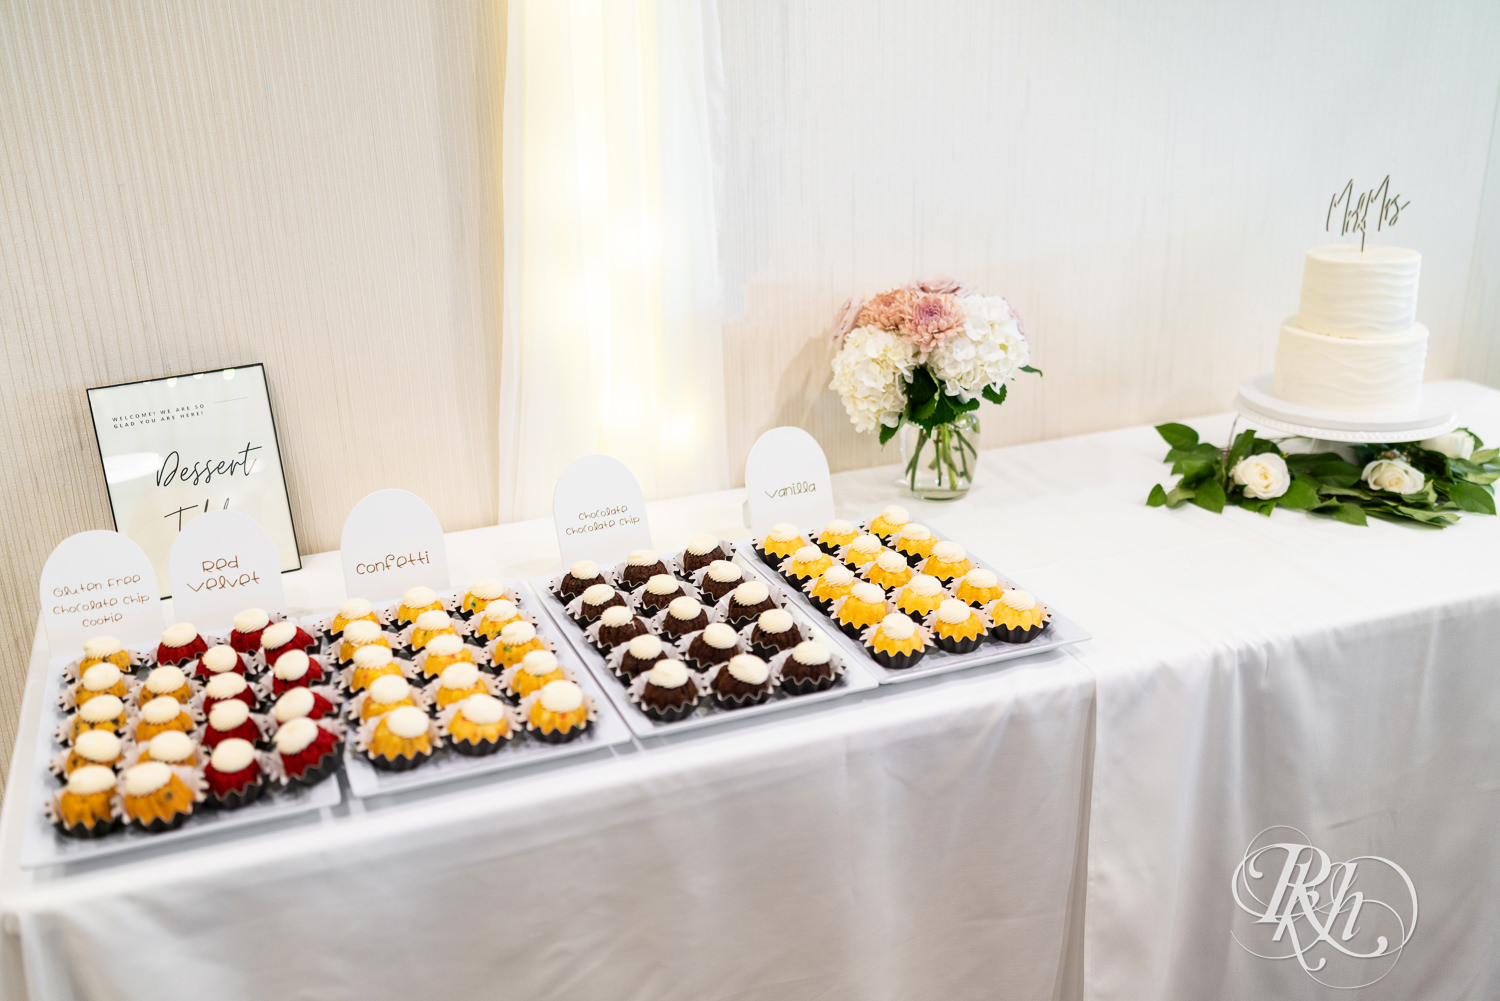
1246,672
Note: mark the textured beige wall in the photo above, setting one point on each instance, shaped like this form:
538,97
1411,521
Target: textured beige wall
186,185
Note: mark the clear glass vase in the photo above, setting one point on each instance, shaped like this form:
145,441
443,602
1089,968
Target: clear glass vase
938,464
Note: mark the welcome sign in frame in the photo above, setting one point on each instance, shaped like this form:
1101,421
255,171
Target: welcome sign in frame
178,446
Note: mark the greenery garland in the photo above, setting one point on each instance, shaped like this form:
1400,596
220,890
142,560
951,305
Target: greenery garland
1434,487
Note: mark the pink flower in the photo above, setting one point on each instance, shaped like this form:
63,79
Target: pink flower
889,310
934,319
940,285
848,313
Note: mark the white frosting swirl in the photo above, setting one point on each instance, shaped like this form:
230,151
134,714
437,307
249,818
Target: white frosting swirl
444,645
838,575
517,634
144,779
433,620
868,593
406,722
807,554
748,668
293,704
251,619
165,679
388,689
362,631
539,663
102,708
295,736
811,652
752,592
838,527
99,746
461,675
172,746
662,583
865,545
368,656
684,608
645,646
101,677
702,545
232,755
954,612
502,610
948,552
668,674
584,570
782,532
890,562
218,659
775,620
101,646
898,626
355,608
895,514
277,634
179,635
561,696
723,571
161,710
225,686
913,532
90,780
640,558
486,589
720,636
1018,600
925,585
418,597
598,594
228,715
482,709
981,578
616,616
292,665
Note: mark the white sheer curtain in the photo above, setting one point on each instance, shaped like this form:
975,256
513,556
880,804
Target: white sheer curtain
611,339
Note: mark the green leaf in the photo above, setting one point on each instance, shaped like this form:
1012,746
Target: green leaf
1189,468
995,396
924,410
1485,455
1179,494
887,433
1241,447
1210,496
923,385
1033,371
1177,435
1157,497
1482,478
1468,497
1301,495
1351,514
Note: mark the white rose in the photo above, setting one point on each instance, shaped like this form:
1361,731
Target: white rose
1454,444
1395,475
1264,476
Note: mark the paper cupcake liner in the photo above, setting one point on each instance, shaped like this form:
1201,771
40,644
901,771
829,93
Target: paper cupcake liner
236,798
1018,634
658,624
705,586
806,686
950,644
722,611
852,630
677,563
507,689
345,677
557,736
628,585
640,598
681,649
615,660
896,661
766,651
191,777
476,749
592,635
636,694
740,701
325,767
354,706
109,825
574,608
554,585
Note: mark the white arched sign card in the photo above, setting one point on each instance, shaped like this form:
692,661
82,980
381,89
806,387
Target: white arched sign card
787,479
599,511
99,584
221,563
392,541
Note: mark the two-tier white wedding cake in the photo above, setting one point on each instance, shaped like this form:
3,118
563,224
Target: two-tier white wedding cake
1355,344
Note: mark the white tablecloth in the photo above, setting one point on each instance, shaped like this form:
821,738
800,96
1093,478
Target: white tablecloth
1246,673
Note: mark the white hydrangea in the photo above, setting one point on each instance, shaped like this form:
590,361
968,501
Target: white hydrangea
870,374
987,350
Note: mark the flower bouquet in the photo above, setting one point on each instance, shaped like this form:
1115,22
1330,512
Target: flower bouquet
1428,482
921,357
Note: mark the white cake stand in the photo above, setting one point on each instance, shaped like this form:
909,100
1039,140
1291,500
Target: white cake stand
1435,413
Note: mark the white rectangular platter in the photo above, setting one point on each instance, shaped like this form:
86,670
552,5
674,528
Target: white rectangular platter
607,732
42,845
1062,632
855,678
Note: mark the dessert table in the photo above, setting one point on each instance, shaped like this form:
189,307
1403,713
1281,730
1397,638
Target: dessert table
1073,825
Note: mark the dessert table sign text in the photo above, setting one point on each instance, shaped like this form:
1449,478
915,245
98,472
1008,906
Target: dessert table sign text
787,479
178,447
391,542
599,511
99,584
222,563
